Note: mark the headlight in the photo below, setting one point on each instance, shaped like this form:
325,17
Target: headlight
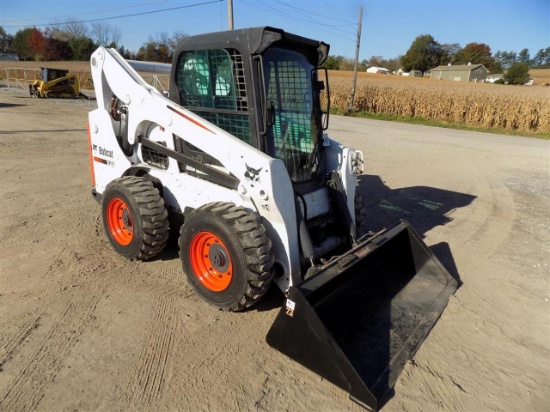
356,159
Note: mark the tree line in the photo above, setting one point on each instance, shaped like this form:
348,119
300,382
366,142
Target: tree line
74,40
425,53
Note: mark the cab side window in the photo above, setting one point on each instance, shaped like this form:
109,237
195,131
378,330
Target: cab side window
211,84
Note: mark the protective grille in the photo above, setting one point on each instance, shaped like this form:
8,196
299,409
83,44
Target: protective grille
215,80
289,90
238,75
154,158
236,124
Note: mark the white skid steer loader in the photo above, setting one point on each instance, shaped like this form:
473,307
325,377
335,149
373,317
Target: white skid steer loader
238,153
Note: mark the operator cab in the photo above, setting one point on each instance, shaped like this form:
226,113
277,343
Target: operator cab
262,86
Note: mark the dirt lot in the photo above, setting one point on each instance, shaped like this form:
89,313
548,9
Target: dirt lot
84,329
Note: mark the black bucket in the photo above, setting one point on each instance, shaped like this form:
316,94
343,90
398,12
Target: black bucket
359,319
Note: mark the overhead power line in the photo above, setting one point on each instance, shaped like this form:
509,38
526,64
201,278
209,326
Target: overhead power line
292,16
123,16
95,11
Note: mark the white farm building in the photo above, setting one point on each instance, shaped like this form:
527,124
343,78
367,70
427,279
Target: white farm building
380,70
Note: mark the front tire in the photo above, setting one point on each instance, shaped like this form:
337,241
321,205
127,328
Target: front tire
226,255
135,218
360,216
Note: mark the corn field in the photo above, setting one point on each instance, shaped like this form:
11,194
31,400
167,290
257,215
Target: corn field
512,108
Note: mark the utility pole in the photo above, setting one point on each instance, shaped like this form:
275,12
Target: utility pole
230,14
354,81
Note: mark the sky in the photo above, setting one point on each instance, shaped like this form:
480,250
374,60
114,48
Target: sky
388,27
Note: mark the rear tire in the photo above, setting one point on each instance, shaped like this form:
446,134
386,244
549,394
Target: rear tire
135,218
360,216
226,255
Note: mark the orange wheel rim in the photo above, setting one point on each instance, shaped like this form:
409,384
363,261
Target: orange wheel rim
211,261
120,222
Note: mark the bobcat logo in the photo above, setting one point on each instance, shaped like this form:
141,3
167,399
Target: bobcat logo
252,174
94,146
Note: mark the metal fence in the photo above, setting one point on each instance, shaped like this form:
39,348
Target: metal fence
21,78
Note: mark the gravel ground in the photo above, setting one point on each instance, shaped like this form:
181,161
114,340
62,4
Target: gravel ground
84,329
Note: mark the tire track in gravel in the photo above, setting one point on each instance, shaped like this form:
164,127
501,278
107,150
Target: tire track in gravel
12,343
152,374
27,389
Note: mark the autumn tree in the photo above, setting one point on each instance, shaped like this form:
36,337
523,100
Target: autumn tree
154,52
347,64
56,50
393,65
160,48
476,53
36,43
375,61
424,54
174,40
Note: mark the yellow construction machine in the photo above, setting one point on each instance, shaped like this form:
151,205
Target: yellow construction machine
56,83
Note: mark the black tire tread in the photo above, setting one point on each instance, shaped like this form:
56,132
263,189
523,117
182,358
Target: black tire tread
255,244
153,213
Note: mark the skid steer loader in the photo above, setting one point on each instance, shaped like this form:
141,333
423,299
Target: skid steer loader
239,154
56,83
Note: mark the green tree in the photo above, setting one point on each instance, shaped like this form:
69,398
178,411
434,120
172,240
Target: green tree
518,73
497,67
333,62
542,58
424,54
449,52
506,58
6,40
81,48
22,45
524,56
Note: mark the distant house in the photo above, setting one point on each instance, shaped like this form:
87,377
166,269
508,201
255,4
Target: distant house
380,70
460,73
413,73
494,77
9,56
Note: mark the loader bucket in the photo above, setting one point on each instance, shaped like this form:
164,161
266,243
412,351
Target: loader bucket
359,319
